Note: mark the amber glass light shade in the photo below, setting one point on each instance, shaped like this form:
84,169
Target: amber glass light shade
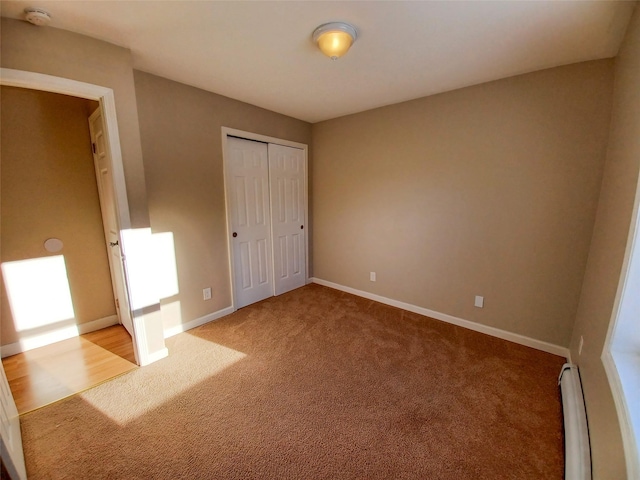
335,39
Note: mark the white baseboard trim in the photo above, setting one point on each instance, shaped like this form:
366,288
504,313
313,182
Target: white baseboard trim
57,335
99,324
183,327
478,327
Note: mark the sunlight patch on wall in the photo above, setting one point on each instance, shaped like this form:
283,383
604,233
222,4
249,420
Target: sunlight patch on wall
40,300
192,361
141,269
151,266
38,291
165,257
171,318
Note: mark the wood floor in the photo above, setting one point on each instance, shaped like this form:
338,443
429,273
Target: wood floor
48,374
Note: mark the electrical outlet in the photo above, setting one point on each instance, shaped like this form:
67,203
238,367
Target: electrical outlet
479,301
206,293
581,345
372,276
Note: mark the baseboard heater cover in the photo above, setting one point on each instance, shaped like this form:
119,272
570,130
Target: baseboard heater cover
577,452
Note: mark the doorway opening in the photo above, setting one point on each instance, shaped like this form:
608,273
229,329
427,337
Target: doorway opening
81,330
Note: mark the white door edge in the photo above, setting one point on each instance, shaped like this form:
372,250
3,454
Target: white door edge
11,437
232,132
116,270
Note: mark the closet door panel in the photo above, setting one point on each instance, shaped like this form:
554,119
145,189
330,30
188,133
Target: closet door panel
287,174
248,196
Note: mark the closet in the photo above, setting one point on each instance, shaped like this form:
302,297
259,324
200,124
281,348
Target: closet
265,187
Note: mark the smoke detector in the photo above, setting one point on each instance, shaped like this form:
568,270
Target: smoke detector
37,16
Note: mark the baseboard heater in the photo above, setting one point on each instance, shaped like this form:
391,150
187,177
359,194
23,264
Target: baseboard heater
577,453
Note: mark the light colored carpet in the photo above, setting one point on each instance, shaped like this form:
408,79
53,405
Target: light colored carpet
313,384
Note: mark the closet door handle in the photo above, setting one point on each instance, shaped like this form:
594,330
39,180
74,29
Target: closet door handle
235,234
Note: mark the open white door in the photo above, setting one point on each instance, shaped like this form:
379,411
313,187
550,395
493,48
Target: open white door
247,173
287,177
104,177
12,455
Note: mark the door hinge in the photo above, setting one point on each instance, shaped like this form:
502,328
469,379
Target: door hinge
93,146
117,303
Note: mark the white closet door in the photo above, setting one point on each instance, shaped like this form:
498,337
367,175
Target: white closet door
287,176
248,183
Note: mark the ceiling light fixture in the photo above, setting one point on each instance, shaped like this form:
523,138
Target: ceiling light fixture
37,16
335,38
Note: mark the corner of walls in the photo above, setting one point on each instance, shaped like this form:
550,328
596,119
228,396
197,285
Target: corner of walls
606,258
185,186
489,190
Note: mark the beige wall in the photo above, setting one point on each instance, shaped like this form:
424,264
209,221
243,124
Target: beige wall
69,55
606,256
489,190
49,190
181,140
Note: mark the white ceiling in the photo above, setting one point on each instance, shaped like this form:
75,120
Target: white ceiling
262,53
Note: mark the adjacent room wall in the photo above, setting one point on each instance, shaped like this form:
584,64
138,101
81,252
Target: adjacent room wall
70,55
606,257
49,190
181,140
489,190
73,56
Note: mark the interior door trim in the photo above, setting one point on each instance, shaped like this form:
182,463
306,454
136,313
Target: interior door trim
232,132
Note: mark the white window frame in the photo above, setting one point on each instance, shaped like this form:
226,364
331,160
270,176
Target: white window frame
621,353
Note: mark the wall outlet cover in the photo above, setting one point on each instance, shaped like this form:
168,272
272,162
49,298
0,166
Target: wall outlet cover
479,301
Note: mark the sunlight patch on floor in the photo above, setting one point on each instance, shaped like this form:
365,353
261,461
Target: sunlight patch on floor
50,373
194,361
